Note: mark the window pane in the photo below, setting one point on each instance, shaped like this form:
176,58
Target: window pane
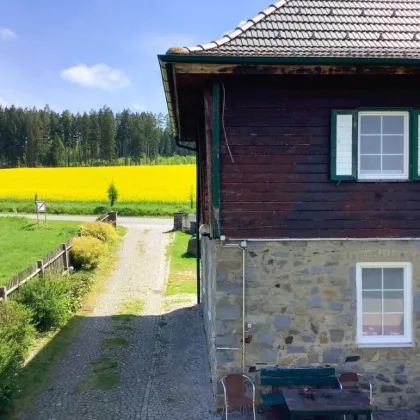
370,163
393,164
372,301
371,278
393,278
394,324
370,124
372,324
393,301
370,144
393,144
393,124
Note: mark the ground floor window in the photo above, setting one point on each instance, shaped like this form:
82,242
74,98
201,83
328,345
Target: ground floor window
384,313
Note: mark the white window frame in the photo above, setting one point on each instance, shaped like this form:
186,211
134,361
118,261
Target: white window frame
405,175
405,340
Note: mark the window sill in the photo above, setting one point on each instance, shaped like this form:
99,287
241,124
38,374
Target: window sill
384,345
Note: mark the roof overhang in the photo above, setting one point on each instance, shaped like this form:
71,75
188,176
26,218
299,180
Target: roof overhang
168,61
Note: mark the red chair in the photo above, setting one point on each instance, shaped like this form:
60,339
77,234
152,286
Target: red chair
234,388
351,380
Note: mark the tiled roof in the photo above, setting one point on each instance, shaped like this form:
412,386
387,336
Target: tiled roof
323,28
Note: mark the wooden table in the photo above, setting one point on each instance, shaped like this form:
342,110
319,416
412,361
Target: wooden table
327,402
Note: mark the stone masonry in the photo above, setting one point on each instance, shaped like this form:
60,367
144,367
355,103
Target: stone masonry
301,302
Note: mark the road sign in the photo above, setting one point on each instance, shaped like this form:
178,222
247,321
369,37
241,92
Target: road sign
40,207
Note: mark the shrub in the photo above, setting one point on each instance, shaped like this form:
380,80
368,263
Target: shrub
17,334
49,300
112,193
87,252
80,283
105,232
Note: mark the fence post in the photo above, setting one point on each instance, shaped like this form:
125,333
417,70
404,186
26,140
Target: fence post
41,267
3,292
112,217
65,257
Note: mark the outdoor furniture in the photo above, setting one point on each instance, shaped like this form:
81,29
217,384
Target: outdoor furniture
281,378
354,381
331,402
234,388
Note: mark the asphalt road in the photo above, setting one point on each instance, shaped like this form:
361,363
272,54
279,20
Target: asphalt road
124,221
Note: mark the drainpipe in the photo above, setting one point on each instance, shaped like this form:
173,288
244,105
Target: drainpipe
197,213
242,245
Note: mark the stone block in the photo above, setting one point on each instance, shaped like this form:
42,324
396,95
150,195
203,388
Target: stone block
228,314
335,306
268,356
229,288
282,322
401,379
303,281
323,338
309,338
266,337
250,274
390,388
314,290
315,302
225,356
332,356
416,303
352,273
220,328
280,254
225,340
329,270
221,276
296,349
336,336
381,377
400,369
316,270
410,390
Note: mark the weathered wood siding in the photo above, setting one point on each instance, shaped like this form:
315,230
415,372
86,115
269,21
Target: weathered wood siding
278,128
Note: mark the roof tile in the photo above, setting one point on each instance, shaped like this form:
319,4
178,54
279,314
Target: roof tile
325,28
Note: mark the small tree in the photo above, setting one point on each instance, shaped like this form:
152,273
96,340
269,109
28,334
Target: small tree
112,193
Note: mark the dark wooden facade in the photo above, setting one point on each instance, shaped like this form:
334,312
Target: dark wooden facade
278,128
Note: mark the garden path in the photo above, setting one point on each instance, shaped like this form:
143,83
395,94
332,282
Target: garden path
148,367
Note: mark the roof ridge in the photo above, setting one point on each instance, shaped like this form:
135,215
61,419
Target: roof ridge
233,34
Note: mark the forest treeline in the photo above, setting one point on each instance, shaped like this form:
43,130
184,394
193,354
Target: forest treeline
45,138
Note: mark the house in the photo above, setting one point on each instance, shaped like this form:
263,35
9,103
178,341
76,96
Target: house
306,124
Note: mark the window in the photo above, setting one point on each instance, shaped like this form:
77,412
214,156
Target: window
384,316
383,145
375,145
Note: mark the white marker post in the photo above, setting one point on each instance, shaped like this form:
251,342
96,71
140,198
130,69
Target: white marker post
41,208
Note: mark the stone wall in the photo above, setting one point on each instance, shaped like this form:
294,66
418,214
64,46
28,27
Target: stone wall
208,291
301,302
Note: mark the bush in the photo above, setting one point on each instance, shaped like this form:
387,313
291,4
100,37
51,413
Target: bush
105,232
80,283
17,334
87,252
49,300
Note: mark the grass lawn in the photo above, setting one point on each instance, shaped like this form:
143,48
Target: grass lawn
23,242
182,274
140,209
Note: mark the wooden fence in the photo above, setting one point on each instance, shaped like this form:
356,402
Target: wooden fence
56,262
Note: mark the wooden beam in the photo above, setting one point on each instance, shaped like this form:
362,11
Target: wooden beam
216,160
208,164
196,68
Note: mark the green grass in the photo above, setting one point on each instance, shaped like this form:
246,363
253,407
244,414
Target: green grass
140,209
23,242
182,274
36,375
104,374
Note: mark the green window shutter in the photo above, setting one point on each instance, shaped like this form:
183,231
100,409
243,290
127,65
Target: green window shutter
344,145
414,146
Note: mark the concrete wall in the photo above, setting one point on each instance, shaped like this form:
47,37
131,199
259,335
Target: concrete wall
301,302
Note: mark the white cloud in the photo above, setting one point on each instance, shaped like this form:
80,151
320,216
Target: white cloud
6,34
99,76
137,107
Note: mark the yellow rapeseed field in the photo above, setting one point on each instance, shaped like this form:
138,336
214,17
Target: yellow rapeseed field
166,183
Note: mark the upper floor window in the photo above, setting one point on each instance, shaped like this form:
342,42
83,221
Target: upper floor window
375,145
383,145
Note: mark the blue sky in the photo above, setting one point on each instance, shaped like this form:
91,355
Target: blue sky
82,54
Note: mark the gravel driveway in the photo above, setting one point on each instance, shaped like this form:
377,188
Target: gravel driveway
143,367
